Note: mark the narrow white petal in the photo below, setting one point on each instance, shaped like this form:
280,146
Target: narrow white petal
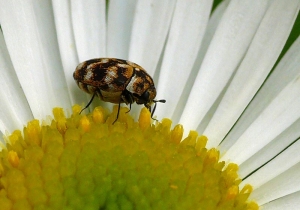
67,47
51,57
230,42
88,20
209,33
258,62
30,38
271,150
150,28
271,170
290,202
278,116
187,30
285,71
14,107
119,26
282,185
211,28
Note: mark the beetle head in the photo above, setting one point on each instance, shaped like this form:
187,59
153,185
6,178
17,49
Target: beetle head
147,98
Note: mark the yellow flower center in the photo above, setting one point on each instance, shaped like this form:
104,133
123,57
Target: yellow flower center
86,162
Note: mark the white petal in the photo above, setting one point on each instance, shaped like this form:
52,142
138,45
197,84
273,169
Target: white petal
283,184
30,37
231,40
14,107
67,47
88,20
286,70
187,30
271,150
290,202
119,26
258,62
211,28
209,33
150,27
278,116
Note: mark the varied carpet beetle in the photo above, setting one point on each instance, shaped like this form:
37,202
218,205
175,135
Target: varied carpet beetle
116,81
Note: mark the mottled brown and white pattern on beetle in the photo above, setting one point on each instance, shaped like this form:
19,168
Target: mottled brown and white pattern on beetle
140,82
104,74
112,79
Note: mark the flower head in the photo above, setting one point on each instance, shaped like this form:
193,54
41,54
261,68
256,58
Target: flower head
86,162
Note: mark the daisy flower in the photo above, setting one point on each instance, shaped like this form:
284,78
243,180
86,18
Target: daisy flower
230,74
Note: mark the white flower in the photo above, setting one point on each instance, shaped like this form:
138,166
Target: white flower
216,71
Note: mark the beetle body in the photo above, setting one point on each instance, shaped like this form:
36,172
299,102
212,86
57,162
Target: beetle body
116,81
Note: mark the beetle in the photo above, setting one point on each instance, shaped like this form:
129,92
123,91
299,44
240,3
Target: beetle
116,81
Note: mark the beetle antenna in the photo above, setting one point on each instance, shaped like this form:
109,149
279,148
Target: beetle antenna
155,101
89,102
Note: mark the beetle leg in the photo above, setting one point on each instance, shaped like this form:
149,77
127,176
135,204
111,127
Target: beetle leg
117,113
129,108
127,98
152,113
89,102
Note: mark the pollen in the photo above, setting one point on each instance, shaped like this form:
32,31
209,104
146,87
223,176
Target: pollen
86,162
